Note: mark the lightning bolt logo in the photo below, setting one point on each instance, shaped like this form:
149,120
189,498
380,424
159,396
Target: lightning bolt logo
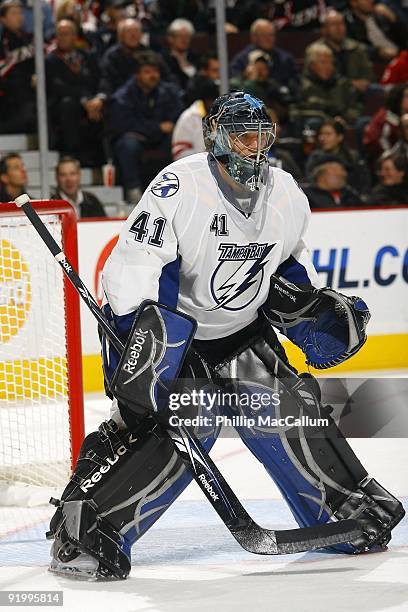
167,186
235,286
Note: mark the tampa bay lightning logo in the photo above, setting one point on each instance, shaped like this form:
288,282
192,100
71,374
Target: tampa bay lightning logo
237,279
167,186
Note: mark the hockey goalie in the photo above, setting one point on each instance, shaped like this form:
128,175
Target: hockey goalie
219,236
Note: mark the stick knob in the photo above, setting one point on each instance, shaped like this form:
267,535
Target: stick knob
22,199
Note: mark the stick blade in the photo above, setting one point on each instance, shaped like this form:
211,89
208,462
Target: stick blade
318,536
261,541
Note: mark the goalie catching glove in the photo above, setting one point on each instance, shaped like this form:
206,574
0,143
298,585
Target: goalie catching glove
327,326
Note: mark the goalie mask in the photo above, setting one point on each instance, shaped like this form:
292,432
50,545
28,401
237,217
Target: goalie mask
239,133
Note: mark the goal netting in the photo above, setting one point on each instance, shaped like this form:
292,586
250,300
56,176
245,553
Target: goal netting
41,414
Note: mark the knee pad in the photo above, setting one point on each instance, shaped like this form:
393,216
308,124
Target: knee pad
314,467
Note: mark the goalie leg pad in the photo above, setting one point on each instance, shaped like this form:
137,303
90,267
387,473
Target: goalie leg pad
123,482
376,506
103,552
153,357
315,469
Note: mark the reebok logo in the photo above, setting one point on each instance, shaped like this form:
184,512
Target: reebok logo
135,350
66,265
285,292
208,487
98,475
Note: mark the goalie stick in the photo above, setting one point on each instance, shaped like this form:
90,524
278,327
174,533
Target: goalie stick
248,534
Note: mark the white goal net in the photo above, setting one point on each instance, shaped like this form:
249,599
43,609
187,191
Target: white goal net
36,391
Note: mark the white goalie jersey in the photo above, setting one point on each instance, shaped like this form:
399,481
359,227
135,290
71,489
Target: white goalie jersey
187,246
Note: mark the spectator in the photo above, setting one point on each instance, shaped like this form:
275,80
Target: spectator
142,116
17,92
382,132
400,149
106,34
120,60
256,80
376,26
397,70
258,83
282,66
329,188
68,176
188,132
208,68
257,69
28,20
393,186
241,12
75,110
74,11
302,14
164,11
181,61
69,9
350,56
324,94
141,10
330,141
13,177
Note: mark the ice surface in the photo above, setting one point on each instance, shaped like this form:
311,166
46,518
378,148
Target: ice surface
189,562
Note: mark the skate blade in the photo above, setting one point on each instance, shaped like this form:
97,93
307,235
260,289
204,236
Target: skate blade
84,567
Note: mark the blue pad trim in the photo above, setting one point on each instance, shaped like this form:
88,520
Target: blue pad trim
151,508
305,500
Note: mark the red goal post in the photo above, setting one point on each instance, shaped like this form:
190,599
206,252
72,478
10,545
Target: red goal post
41,392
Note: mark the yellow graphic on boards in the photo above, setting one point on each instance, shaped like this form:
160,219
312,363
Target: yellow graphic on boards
15,291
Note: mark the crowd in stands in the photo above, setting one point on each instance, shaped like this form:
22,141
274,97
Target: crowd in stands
129,81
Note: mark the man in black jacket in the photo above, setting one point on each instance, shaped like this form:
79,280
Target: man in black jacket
351,57
68,175
13,177
119,62
74,108
17,92
142,115
282,67
182,62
